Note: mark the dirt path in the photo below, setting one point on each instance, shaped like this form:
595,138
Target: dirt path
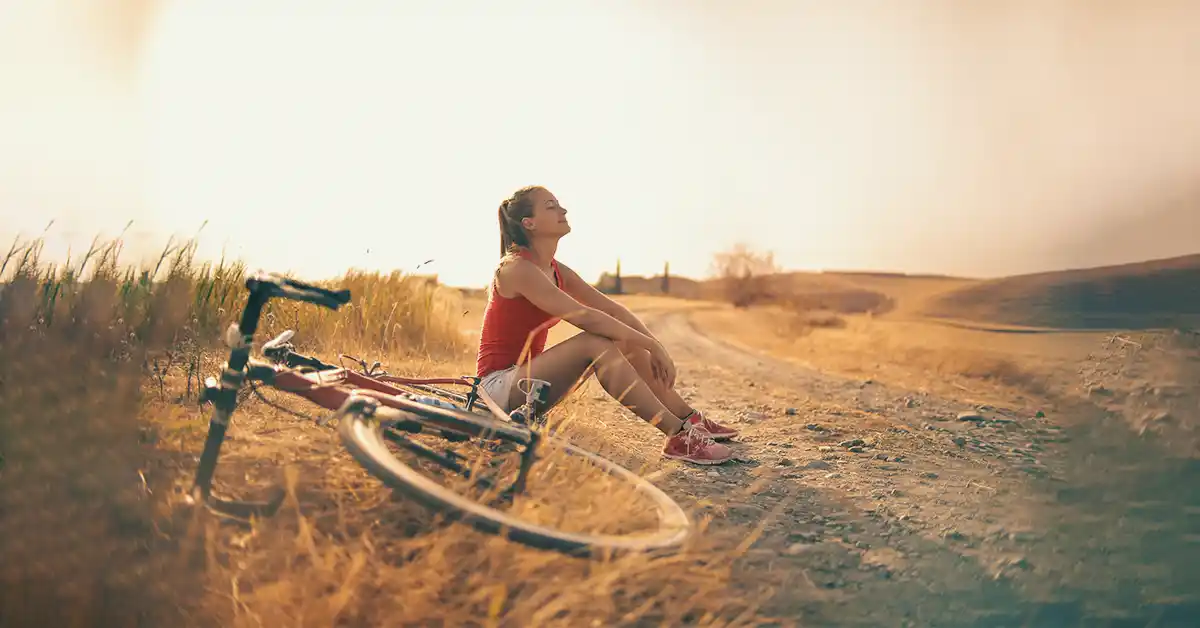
883,508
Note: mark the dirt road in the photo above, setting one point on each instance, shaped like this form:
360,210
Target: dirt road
885,507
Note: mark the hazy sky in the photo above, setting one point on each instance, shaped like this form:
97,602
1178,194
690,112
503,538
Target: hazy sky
956,137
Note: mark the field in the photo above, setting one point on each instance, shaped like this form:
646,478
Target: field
895,469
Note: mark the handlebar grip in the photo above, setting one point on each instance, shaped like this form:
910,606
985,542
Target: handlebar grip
341,297
278,286
332,299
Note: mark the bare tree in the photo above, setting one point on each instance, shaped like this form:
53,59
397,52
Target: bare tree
745,275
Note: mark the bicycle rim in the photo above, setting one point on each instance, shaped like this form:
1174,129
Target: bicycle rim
363,438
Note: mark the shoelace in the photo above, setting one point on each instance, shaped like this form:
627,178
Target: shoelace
697,438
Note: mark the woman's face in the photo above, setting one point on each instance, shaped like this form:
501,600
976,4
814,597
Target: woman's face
549,219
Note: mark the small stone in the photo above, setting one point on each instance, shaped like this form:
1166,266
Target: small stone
818,464
795,549
930,475
786,463
804,537
1040,414
857,450
909,402
960,441
898,459
814,427
833,476
953,535
824,449
791,411
857,442
714,474
1021,563
881,456
1157,417
970,416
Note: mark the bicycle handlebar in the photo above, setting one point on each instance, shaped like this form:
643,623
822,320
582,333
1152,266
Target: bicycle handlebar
287,288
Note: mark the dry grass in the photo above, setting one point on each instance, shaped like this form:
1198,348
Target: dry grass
77,523
345,553
99,432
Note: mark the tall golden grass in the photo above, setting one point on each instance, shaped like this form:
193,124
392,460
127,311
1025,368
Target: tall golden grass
389,313
99,433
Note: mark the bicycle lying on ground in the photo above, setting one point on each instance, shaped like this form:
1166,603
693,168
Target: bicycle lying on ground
375,413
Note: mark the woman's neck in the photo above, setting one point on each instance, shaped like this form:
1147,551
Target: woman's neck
543,251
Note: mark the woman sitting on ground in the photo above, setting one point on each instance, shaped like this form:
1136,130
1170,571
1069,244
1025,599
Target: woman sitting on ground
531,291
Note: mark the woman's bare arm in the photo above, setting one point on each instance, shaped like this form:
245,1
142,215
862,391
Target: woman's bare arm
588,295
524,278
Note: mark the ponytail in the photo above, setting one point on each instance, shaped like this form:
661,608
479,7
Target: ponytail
506,242
512,210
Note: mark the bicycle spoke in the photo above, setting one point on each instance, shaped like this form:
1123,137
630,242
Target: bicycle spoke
448,459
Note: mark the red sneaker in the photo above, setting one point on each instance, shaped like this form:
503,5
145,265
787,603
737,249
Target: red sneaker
716,430
694,445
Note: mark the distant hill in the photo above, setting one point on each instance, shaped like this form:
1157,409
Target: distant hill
846,292
1154,294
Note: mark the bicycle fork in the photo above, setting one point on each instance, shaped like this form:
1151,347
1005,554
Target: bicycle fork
223,396
224,400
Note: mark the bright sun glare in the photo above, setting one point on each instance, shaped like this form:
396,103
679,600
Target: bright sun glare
313,140
314,136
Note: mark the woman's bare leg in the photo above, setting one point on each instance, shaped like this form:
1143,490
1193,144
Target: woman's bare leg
565,364
640,359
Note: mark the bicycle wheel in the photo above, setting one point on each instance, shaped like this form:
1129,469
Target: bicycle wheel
361,427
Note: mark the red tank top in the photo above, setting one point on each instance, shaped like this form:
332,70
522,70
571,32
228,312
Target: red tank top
507,324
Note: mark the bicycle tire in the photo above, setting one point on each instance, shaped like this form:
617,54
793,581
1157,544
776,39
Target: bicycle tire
363,438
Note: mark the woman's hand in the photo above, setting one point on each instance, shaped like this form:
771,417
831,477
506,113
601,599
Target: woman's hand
662,365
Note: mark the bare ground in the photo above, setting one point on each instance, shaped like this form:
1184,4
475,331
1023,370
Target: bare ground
852,503
879,506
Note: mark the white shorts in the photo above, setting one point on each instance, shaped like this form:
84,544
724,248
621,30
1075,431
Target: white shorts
498,385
